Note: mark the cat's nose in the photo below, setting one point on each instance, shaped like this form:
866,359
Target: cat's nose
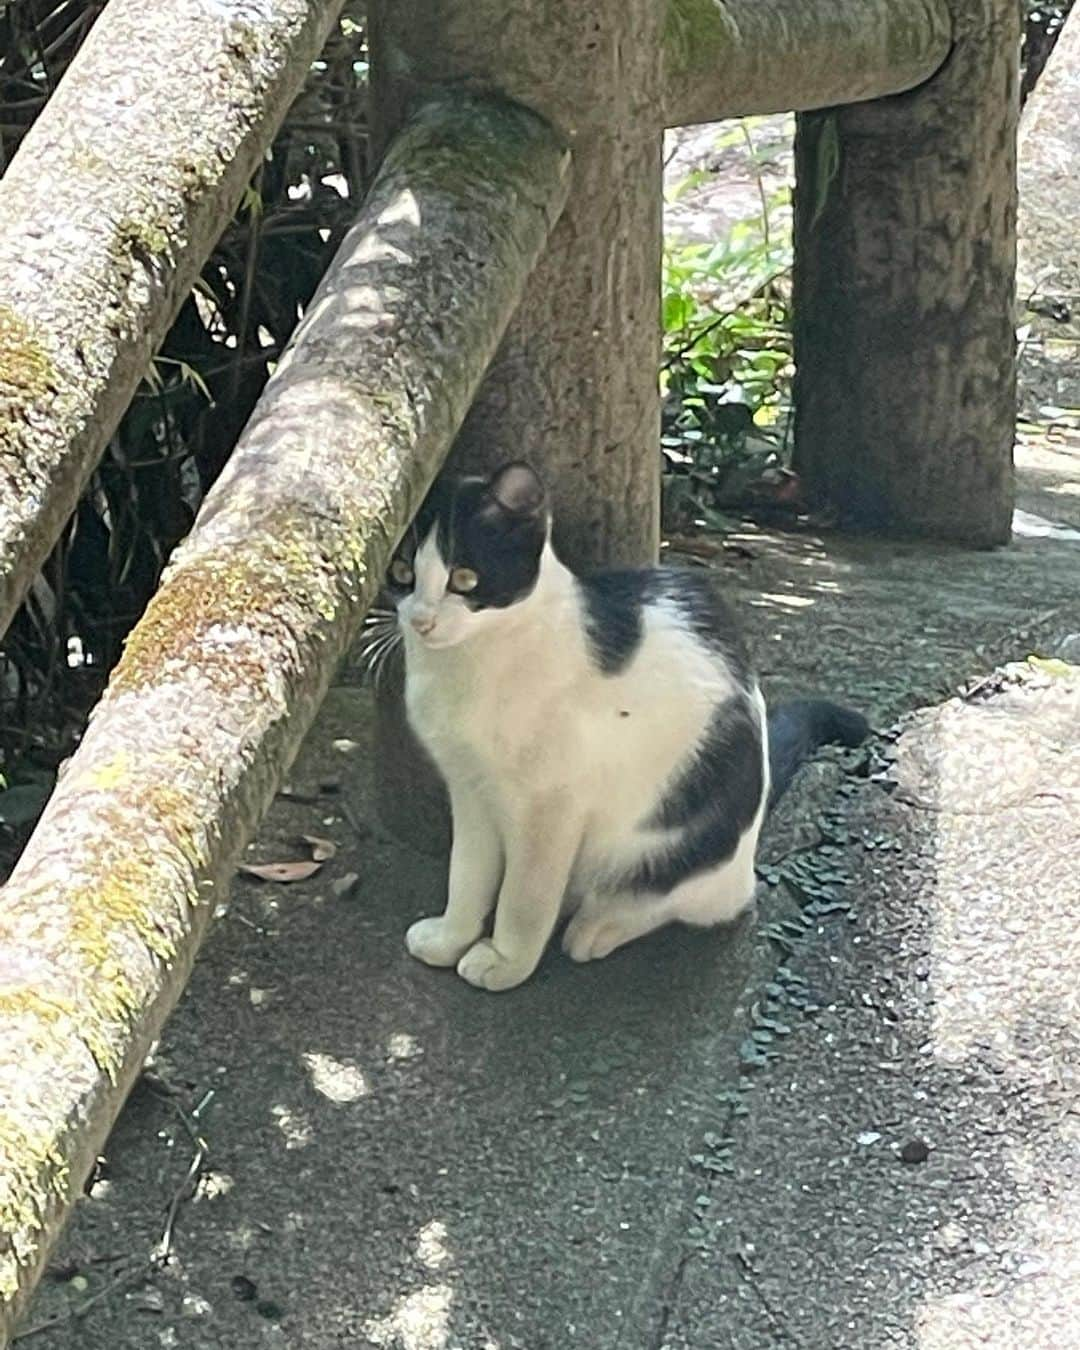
423,623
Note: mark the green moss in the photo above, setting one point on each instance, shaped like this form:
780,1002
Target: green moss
30,1003
134,889
145,882
137,236
274,586
288,572
35,1173
198,175
97,912
696,35
439,147
26,371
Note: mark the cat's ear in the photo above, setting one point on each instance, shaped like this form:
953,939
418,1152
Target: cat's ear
517,488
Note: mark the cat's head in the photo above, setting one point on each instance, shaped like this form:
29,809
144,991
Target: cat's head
473,553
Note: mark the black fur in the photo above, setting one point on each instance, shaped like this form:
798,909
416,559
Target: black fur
615,600
714,803
502,547
717,797
497,527
613,605
798,728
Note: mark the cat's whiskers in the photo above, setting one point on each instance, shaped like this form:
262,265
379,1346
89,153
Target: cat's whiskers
382,658
380,636
374,634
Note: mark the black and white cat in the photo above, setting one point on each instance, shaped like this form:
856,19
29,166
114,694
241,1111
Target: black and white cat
603,738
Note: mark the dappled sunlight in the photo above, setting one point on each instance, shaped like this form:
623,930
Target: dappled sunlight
1040,1257
212,1186
373,248
337,1080
1027,525
788,601
431,1249
402,1045
990,785
403,210
294,1125
420,1320
977,926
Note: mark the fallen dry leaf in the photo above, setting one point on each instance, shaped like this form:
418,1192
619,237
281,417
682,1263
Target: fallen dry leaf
281,871
321,849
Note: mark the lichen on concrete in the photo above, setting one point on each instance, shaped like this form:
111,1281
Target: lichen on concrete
224,670
26,370
24,1002
430,155
226,592
34,1174
696,33
748,56
133,195
148,237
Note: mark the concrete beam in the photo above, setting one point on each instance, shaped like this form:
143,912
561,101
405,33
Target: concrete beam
730,58
220,679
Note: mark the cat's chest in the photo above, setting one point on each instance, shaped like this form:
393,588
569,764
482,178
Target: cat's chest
474,712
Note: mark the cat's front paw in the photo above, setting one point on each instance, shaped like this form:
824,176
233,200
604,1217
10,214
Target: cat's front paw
487,968
591,937
438,941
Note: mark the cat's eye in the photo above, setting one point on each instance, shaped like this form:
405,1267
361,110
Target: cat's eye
401,572
463,580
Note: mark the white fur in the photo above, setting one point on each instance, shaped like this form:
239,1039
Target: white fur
552,768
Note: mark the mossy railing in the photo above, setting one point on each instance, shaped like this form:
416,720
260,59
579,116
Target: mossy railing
109,209
220,679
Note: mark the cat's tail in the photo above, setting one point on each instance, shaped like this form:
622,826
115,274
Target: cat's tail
798,728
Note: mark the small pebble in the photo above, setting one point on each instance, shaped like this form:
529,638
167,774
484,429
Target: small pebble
243,1288
915,1151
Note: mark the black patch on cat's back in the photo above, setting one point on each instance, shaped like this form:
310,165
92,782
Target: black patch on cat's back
713,802
711,805
615,600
